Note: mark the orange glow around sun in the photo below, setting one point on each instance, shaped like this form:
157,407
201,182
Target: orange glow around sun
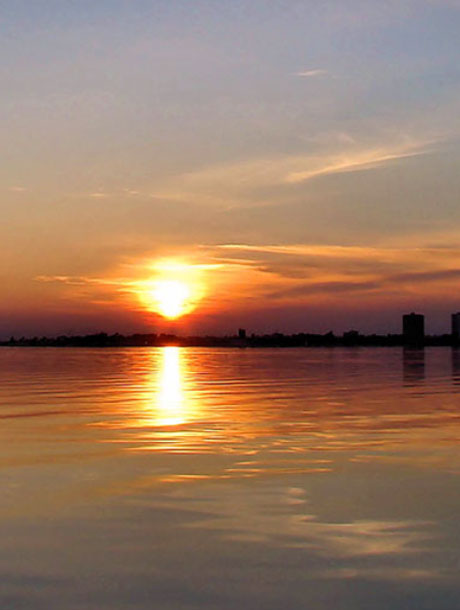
174,291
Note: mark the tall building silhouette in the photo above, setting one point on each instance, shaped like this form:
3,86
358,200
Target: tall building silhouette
455,326
414,328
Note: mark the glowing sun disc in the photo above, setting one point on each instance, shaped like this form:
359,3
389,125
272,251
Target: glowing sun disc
171,298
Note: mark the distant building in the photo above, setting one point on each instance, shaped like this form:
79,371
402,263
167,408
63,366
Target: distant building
240,340
455,328
414,328
351,337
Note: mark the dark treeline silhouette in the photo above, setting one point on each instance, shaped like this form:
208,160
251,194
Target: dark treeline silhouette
348,339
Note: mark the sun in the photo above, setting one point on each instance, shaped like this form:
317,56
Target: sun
172,298
174,289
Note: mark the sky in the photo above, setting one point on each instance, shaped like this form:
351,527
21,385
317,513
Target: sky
294,163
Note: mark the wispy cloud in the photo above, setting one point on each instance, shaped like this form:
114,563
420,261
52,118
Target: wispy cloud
112,193
81,280
370,159
309,271
245,183
128,281
244,275
313,72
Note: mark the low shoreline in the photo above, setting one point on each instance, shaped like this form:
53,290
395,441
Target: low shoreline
349,339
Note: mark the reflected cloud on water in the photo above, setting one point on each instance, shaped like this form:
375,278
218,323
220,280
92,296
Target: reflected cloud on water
278,517
270,516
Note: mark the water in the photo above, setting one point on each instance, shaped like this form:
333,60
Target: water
217,479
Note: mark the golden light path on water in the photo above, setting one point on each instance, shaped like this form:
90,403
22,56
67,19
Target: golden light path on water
175,405
171,404
167,413
164,402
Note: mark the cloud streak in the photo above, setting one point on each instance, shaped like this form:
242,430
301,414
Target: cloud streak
245,183
242,276
312,73
309,271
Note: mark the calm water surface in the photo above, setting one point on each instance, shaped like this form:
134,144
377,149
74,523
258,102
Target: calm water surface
218,479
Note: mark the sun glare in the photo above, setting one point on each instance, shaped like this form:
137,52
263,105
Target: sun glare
174,290
171,298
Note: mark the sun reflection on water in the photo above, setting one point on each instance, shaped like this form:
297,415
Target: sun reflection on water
171,406
164,401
